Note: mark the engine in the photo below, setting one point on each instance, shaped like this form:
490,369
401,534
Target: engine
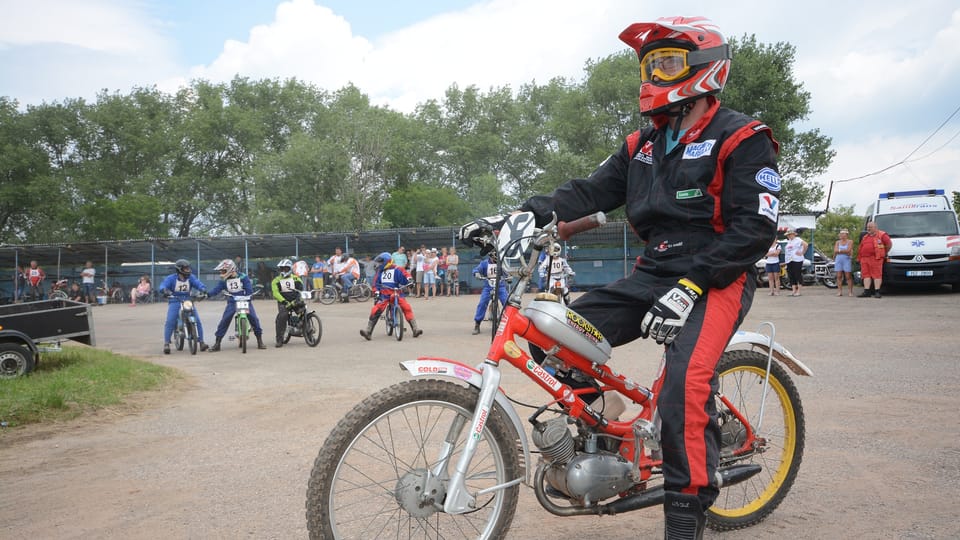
577,467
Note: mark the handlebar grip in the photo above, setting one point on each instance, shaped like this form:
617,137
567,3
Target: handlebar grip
566,230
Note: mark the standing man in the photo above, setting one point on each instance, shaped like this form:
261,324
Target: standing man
873,252
89,278
35,276
317,271
399,257
700,189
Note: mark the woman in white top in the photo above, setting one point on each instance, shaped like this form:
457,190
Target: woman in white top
773,268
795,250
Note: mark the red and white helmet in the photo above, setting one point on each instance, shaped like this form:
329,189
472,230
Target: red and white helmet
681,60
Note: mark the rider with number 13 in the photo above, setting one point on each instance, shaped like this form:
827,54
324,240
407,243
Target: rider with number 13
234,282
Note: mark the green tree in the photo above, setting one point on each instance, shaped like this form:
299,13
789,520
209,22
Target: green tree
956,201
425,206
829,225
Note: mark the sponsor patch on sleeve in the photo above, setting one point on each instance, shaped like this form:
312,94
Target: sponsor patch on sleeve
769,179
769,206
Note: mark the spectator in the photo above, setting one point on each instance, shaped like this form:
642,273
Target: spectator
317,272
843,261
141,292
795,253
453,272
873,252
442,287
369,269
75,293
399,257
302,269
772,268
89,277
417,263
430,263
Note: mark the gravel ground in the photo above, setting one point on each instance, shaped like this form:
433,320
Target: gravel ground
227,453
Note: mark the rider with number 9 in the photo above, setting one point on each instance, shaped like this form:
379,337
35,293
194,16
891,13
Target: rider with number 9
393,277
700,189
234,282
286,289
177,287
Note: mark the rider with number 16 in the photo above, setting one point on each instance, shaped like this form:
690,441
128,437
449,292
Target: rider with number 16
177,287
234,282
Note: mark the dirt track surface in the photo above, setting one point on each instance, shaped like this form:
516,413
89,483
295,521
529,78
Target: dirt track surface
228,453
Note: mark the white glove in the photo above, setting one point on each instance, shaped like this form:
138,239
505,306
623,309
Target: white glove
666,318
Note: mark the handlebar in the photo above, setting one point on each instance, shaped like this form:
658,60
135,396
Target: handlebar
567,229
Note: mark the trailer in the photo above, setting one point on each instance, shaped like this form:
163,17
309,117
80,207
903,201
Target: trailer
32,328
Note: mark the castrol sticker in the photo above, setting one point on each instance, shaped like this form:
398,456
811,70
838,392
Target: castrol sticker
543,375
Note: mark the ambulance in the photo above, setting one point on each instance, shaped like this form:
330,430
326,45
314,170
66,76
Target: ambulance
923,227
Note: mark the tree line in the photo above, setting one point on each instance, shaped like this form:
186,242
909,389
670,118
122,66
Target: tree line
281,156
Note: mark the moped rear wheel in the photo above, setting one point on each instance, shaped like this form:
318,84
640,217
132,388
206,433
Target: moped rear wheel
781,437
328,295
378,470
312,330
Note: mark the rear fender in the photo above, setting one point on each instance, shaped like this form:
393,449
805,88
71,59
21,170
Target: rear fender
756,340
444,367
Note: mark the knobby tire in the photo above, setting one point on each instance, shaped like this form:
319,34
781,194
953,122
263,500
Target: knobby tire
375,458
741,375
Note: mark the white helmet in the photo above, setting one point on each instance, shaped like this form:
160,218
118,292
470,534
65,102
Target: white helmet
285,266
555,249
226,267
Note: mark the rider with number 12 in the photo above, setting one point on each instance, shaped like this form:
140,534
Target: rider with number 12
177,287
700,189
234,282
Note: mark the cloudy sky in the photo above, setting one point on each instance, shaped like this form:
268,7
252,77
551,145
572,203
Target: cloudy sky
884,76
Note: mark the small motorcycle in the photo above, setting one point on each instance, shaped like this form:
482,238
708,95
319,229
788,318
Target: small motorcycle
432,458
186,331
241,320
303,323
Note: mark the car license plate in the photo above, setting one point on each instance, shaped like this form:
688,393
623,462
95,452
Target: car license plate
919,273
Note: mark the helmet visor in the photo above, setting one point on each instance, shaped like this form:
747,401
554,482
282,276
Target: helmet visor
666,64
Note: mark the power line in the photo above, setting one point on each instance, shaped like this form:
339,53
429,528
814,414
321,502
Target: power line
904,160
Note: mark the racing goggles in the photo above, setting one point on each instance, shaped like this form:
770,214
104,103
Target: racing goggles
666,64
669,64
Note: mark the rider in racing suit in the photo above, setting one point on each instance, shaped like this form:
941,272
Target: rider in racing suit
700,189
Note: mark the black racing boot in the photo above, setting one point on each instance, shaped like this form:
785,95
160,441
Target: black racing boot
368,332
416,330
203,346
476,328
216,346
279,343
260,344
166,348
683,518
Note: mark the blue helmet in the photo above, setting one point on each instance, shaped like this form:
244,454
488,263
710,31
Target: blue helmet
383,258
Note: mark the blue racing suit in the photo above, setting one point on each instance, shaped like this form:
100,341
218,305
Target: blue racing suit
178,289
239,285
487,271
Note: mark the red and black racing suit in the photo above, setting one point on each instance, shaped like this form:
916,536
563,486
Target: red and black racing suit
706,211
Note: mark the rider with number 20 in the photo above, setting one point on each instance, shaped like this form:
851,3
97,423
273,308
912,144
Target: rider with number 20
699,188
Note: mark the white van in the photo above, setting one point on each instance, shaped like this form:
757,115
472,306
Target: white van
926,237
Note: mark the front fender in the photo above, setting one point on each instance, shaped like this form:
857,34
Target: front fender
444,367
760,341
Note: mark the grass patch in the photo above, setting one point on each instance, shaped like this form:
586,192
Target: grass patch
75,380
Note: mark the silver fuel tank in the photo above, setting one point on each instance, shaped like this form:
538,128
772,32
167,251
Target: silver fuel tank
569,329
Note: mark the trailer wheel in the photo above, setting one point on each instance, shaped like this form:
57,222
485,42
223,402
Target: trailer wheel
15,361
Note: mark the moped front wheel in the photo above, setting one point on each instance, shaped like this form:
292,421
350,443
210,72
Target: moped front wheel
192,338
779,444
180,336
312,330
243,331
397,323
383,469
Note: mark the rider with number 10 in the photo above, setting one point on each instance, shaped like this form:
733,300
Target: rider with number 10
389,280
487,271
234,282
178,287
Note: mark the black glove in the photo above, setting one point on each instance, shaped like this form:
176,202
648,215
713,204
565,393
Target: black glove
668,315
475,233
201,295
166,293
